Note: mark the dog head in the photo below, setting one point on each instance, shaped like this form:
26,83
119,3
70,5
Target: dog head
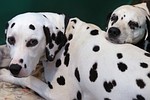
127,24
29,37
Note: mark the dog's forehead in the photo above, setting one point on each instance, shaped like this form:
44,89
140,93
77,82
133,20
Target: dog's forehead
26,23
126,9
131,13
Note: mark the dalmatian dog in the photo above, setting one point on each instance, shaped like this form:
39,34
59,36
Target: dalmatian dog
130,24
79,63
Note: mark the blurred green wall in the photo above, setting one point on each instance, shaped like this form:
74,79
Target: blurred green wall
93,11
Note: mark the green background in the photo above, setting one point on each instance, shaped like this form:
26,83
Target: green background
93,11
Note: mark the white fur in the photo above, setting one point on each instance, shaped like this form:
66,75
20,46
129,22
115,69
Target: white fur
82,57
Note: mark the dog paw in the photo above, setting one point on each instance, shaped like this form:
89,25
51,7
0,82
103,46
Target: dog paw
5,76
5,72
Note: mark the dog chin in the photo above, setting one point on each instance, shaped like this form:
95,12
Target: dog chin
115,41
22,75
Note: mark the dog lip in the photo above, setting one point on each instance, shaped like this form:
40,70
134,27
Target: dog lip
112,40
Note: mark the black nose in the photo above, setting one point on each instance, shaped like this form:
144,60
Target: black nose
114,32
15,69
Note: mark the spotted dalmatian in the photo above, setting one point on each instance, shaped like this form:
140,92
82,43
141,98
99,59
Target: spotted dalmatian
79,63
130,24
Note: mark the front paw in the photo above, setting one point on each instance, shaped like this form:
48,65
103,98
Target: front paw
4,72
5,76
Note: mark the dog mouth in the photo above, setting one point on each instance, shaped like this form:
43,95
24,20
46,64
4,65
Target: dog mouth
114,40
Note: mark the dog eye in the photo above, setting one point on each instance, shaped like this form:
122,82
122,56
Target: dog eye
11,40
133,24
32,43
114,18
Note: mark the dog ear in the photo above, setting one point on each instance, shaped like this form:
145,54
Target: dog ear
48,42
107,20
47,34
147,35
54,42
148,29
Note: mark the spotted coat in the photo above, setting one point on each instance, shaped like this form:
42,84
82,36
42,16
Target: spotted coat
80,64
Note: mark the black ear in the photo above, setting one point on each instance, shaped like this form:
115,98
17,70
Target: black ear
107,19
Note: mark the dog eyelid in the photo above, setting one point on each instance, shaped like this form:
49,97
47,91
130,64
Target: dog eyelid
114,17
11,40
133,24
32,42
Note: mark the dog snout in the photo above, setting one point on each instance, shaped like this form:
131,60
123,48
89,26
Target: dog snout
114,32
15,69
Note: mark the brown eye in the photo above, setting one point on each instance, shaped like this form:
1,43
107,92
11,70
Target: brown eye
11,40
32,43
133,24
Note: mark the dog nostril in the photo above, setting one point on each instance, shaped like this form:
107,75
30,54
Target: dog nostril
15,69
21,60
114,32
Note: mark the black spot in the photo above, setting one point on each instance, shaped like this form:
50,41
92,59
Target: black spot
50,45
139,97
11,40
114,83
133,24
32,42
114,18
25,66
94,32
107,99
122,67
61,80
93,73
53,36
77,75
148,75
21,60
12,25
56,27
49,58
75,21
47,34
60,39
144,65
66,21
45,16
70,37
31,27
79,96
66,48
50,85
119,55
73,27
96,48
109,85
67,58
87,27
140,83
147,54
58,63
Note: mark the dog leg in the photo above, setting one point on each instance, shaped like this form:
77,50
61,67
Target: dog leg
31,82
